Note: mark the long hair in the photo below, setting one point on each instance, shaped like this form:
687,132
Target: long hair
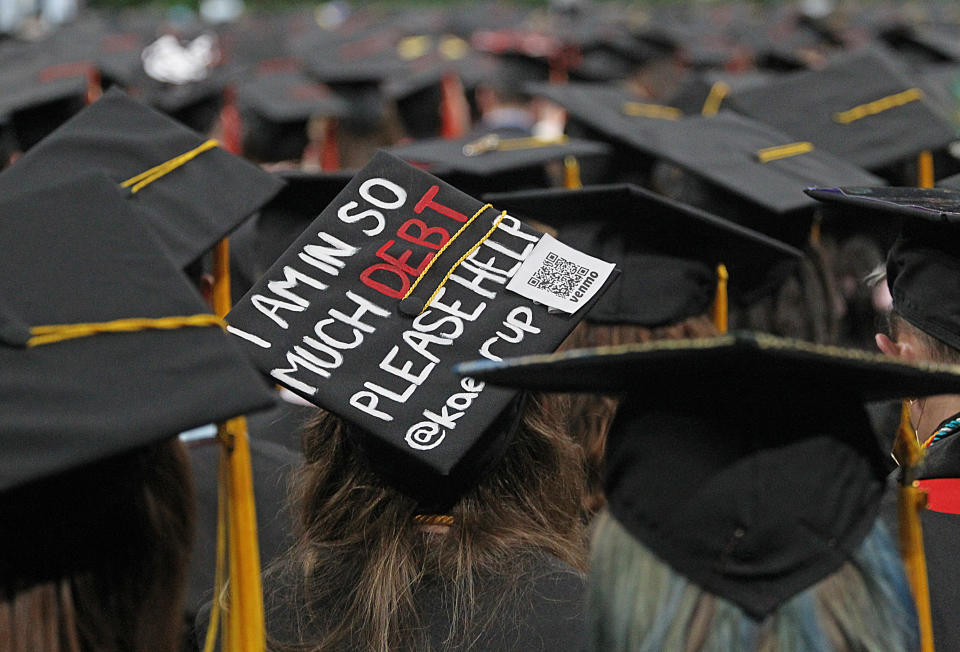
99,556
805,306
360,560
637,602
591,414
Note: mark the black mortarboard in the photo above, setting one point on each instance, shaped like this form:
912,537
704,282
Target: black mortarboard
168,74
754,173
498,160
923,265
276,109
613,114
922,44
189,206
667,252
777,474
41,91
76,253
398,278
862,107
258,243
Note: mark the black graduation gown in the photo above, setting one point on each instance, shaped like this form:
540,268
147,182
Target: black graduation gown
547,613
941,541
273,454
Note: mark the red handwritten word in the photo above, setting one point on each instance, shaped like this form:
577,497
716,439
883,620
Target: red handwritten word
398,269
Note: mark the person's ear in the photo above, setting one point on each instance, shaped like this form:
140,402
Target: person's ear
888,346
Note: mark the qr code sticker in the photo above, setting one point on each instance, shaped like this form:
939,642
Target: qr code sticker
558,276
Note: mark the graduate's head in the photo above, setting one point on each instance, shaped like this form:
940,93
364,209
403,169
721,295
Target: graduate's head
746,465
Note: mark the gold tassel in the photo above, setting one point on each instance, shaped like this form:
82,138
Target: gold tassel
815,231
243,620
925,169
720,299
571,173
912,500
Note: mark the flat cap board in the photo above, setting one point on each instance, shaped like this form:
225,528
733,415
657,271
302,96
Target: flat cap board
661,247
494,154
396,280
189,207
756,163
77,253
862,108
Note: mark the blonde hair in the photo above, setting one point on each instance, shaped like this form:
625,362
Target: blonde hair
638,602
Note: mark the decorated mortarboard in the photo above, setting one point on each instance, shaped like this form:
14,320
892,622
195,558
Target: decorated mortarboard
190,192
498,160
276,109
668,253
862,107
398,278
923,265
780,472
104,345
754,173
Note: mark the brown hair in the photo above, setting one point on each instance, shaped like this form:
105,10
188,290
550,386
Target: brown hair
805,306
938,350
591,414
100,557
360,559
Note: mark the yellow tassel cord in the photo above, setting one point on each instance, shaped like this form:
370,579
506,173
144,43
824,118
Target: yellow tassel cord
243,624
658,111
925,169
720,299
219,580
137,183
878,106
718,92
571,173
778,152
911,501
433,519
41,335
493,143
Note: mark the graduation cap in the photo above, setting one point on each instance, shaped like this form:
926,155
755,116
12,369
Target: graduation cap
781,477
862,107
190,192
109,349
747,172
43,89
276,109
668,252
398,278
923,265
259,242
498,160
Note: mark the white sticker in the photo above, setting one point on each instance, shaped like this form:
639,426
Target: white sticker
559,276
